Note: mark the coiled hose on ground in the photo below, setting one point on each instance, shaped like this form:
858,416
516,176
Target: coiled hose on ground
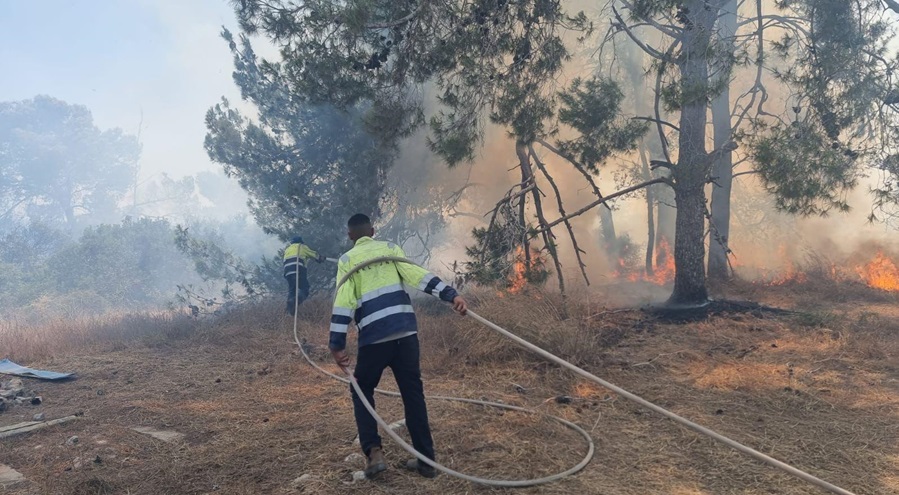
561,362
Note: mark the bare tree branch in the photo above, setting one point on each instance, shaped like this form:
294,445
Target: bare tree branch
667,29
658,97
549,239
747,172
509,196
552,183
652,52
623,192
580,168
658,121
757,87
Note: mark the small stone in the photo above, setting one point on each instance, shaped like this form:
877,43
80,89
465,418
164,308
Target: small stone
358,476
39,417
2,405
354,458
73,440
101,392
306,478
218,380
265,420
76,463
165,436
98,460
563,399
36,401
719,412
9,477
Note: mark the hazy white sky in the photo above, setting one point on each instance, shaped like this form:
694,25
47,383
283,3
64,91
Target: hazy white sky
164,58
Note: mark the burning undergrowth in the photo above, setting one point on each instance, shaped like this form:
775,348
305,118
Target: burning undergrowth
869,274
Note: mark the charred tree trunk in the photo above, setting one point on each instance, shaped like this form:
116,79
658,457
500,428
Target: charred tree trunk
693,166
689,246
723,167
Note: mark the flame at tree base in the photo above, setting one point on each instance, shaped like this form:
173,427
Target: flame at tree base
662,274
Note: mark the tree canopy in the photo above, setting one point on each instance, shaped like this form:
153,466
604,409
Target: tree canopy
57,167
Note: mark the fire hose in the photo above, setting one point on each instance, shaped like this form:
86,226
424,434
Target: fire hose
556,360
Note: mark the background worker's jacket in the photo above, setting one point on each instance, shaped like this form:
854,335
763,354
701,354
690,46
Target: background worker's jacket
295,256
375,298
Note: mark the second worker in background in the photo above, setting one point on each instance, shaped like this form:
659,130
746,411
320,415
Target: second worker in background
295,257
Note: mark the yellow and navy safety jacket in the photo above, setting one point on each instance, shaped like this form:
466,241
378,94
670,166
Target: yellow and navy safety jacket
375,296
295,256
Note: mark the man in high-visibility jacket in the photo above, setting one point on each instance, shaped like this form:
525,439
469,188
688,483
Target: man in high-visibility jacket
375,298
295,257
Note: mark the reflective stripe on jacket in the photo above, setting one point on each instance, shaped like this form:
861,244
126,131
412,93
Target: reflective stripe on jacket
296,255
375,296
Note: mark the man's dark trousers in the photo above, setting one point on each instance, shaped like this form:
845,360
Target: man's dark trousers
292,300
402,356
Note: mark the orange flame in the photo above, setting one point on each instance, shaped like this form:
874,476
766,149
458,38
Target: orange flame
662,274
880,273
665,273
518,279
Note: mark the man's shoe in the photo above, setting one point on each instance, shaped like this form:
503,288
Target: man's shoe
376,463
421,468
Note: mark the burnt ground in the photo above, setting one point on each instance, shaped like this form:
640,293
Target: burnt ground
818,388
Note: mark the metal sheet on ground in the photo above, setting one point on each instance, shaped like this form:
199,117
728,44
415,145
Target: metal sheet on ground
8,367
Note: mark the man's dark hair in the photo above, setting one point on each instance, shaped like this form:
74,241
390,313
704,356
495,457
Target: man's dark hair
359,220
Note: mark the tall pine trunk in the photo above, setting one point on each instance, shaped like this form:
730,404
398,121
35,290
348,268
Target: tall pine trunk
723,168
650,212
692,169
608,237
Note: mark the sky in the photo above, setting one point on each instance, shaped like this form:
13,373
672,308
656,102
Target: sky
159,62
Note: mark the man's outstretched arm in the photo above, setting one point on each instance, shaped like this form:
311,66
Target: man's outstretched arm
429,283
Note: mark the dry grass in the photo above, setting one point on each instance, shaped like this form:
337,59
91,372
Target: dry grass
819,390
110,332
